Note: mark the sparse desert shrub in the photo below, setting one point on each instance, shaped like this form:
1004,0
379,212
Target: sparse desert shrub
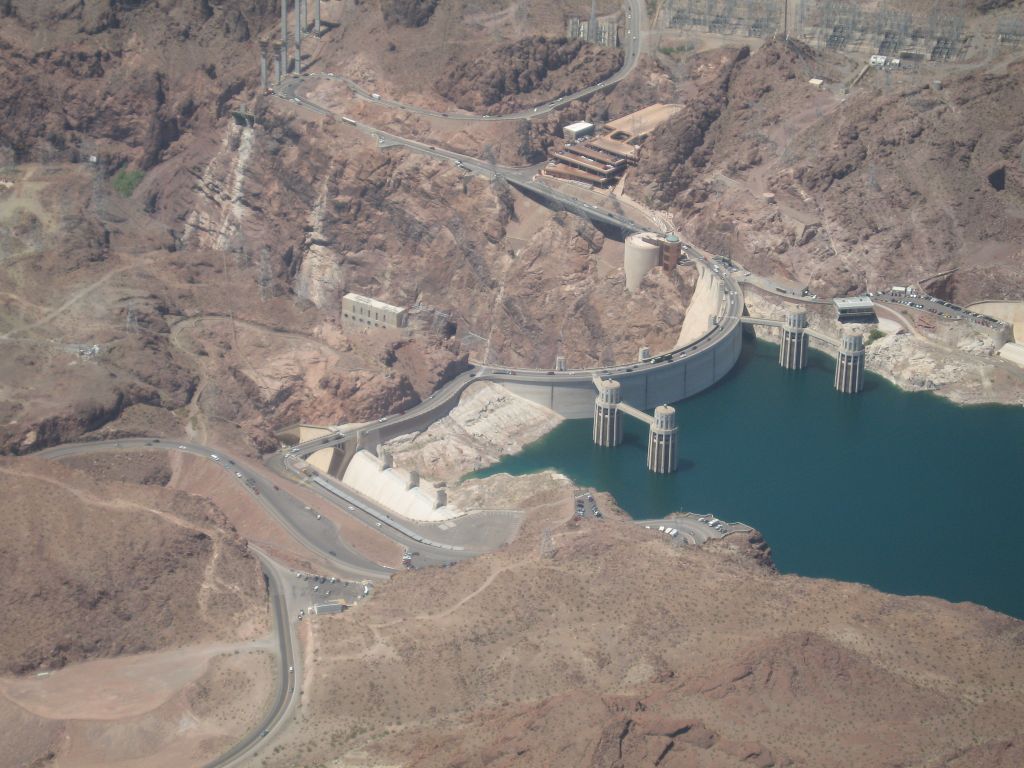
126,181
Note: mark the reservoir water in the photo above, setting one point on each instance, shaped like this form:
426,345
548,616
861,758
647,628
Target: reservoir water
903,491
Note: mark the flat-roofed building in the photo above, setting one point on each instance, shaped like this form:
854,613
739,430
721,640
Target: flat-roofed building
575,131
362,310
855,308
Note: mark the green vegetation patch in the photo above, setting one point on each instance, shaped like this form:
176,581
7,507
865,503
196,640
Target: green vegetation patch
676,49
126,181
875,335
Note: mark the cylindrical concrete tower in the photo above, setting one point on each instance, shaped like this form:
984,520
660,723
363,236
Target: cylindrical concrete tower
414,479
640,258
316,17
264,50
793,345
662,456
607,418
671,251
302,16
284,37
387,460
298,37
850,365
560,363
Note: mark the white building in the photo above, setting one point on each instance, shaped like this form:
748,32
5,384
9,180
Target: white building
363,310
855,308
578,130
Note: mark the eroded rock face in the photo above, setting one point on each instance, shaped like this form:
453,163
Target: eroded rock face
543,67
90,88
681,149
879,187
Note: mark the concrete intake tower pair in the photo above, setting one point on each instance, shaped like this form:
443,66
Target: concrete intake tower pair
849,377
663,437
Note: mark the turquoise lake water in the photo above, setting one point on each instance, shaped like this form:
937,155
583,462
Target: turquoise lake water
903,491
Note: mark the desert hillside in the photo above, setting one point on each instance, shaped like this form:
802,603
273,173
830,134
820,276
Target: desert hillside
896,181
98,567
603,643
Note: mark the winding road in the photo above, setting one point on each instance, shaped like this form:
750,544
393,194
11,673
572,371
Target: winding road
320,535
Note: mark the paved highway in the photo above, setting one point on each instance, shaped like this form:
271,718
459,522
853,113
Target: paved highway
286,695
289,669
321,535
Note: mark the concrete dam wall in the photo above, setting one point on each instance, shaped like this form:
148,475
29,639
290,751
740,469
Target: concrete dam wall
647,387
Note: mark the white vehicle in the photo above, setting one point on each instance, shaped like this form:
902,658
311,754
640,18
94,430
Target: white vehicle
366,589
661,528
318,517
375,96
291,669
348,120
316,588
215,457
351,508
238,474
182,448
673,533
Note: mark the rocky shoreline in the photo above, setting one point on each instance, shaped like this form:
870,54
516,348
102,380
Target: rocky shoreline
958,363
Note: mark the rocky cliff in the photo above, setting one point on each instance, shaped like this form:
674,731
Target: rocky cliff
894,182
539,68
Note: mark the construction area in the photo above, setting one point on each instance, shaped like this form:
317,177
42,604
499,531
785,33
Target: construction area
600,156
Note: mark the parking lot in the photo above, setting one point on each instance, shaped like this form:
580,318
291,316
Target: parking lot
946,310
